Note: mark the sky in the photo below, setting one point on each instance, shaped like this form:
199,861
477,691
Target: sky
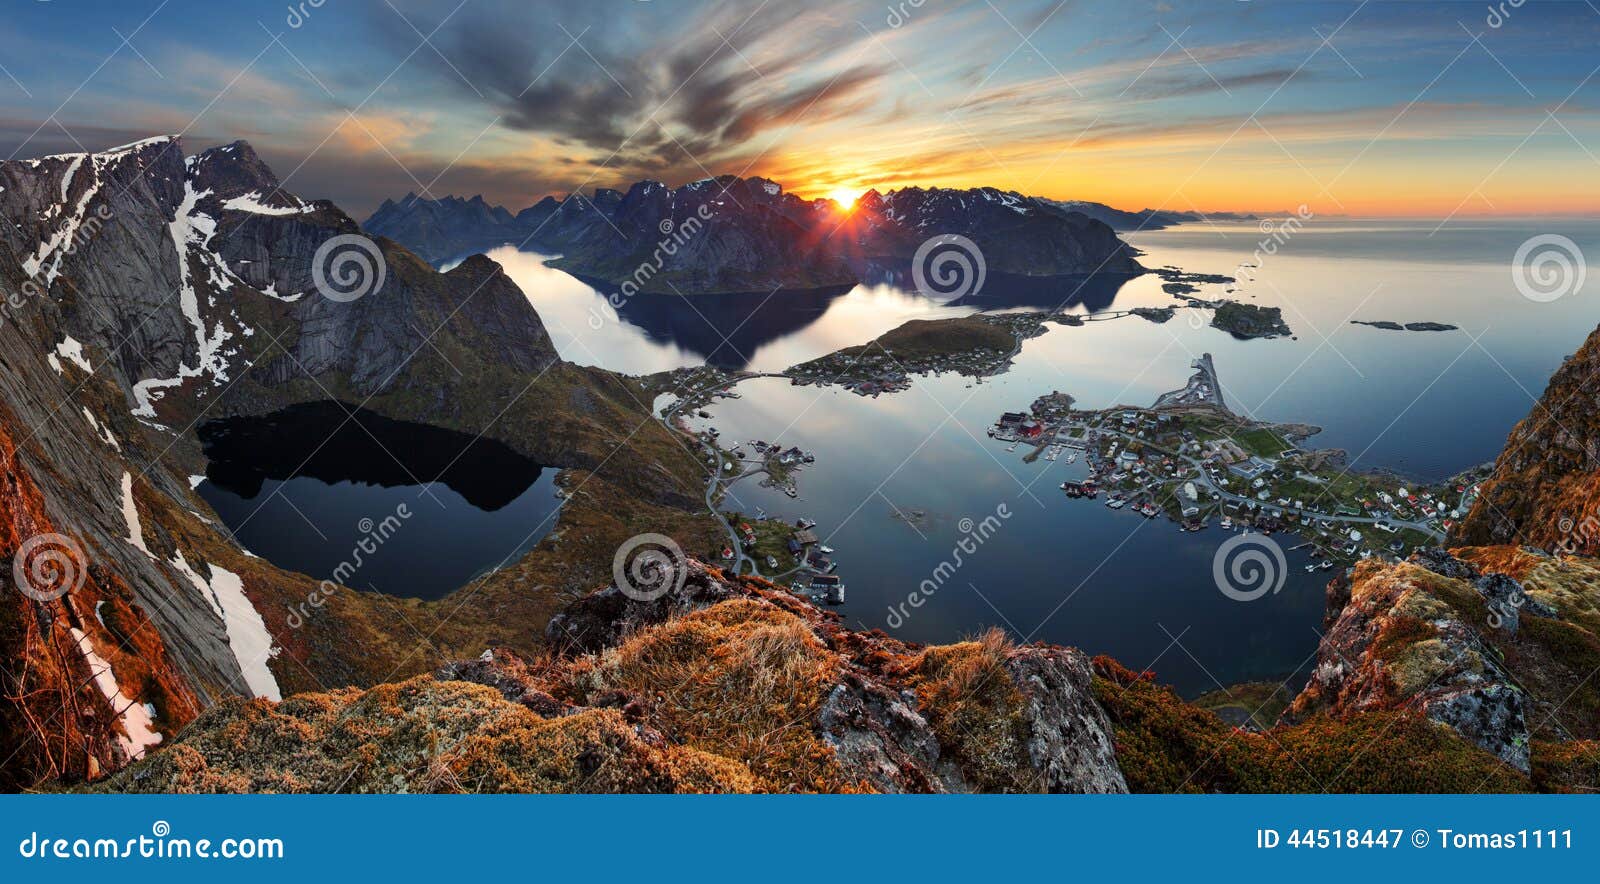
1395,108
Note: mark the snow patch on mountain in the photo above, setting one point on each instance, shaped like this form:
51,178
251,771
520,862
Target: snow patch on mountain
247,633
251,202
136,718
72,351
191,231
130,514
103,432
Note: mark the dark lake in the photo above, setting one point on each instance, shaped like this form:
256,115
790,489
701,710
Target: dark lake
401,508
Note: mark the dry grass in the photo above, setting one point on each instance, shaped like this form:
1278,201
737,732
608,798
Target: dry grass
742,680
976,710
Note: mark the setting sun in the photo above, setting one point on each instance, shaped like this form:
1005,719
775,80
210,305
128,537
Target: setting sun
845,197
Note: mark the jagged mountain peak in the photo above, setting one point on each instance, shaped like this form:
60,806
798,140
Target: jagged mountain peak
752,235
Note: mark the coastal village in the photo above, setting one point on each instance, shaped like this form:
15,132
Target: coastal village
770,547
1186,457
1189,458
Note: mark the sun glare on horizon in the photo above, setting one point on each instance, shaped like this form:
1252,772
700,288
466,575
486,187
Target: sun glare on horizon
845,196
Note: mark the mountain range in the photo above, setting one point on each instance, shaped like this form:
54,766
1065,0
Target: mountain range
1147,219
731,234
147,292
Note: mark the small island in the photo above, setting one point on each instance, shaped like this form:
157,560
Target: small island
1388,325
1246,321
975,346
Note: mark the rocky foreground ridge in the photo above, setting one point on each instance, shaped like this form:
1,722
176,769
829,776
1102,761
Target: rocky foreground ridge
734,685
724,685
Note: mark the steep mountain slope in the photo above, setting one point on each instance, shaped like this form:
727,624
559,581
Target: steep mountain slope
1545,487
729,234
146,292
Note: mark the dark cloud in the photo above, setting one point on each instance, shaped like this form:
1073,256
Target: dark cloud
1200,83
650,90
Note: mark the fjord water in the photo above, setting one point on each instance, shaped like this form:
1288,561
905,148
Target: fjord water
1426,404
1423,404
307,490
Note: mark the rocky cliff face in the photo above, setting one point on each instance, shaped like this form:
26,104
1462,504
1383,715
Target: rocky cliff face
748,234
1495,643
1545,487
724,685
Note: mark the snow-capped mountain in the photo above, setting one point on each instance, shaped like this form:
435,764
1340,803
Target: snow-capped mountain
749,234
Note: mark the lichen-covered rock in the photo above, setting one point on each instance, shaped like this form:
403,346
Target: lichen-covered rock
602,618
1412,638
1069,735
880,735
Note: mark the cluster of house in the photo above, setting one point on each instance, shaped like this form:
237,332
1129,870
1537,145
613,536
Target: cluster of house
868,375
776,451
1014,425
823,585
1134,475
876,373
